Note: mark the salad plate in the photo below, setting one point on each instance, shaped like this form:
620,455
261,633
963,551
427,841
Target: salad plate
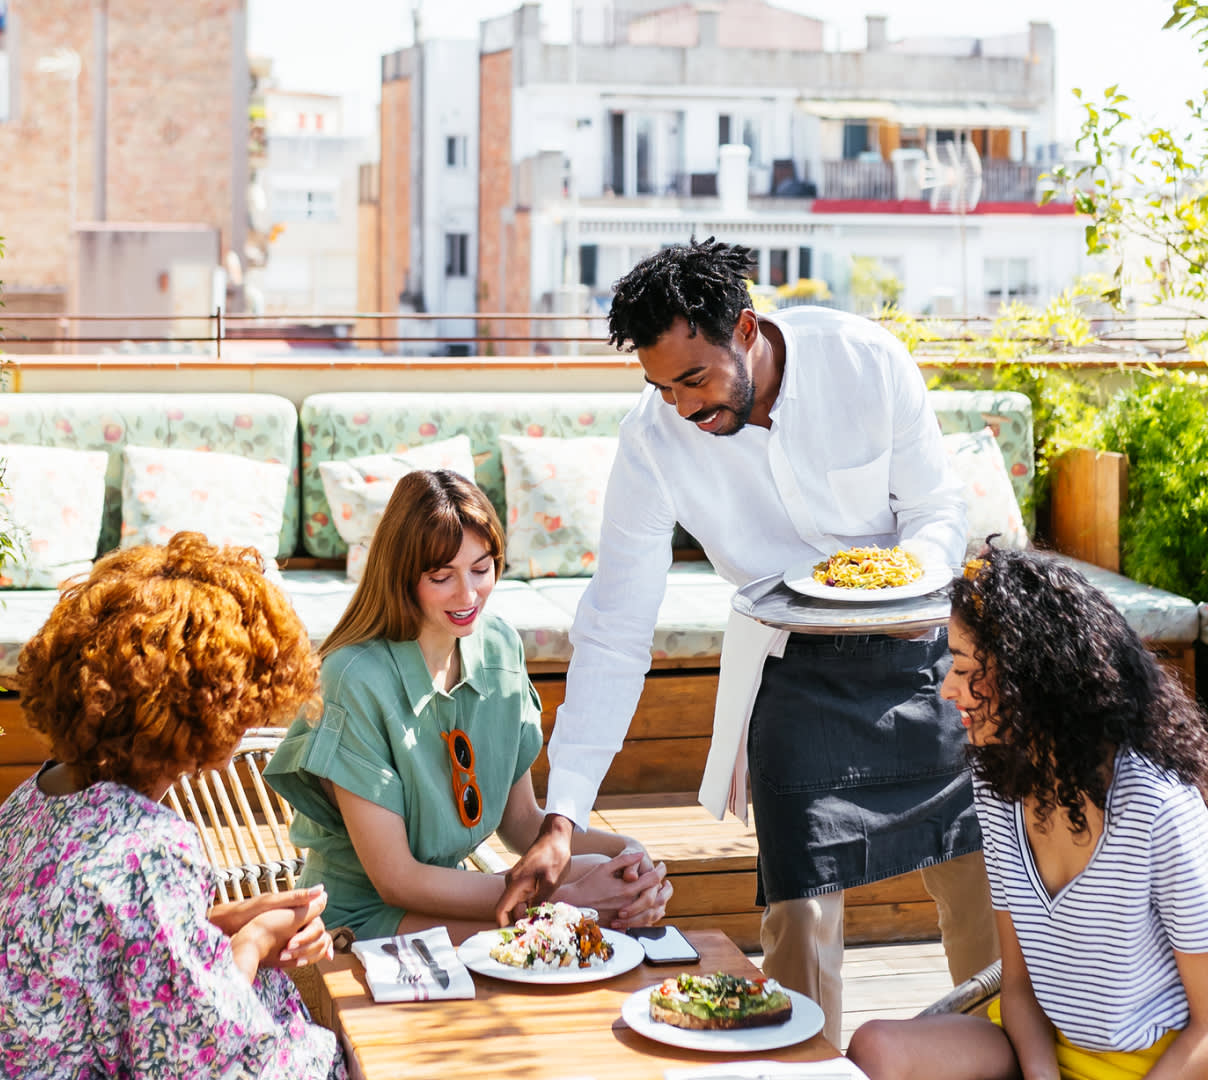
475,953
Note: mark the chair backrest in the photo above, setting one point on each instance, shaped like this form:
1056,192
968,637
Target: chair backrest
244,824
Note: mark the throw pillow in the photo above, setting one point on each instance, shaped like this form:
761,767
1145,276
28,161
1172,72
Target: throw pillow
55,500
989,497
555,499
229,498
358,489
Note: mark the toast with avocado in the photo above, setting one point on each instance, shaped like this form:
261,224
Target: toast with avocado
719,1002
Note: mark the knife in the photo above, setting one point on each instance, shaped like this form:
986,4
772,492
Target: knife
438,972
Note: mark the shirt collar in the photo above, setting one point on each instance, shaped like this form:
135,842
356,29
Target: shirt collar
417,679
787,389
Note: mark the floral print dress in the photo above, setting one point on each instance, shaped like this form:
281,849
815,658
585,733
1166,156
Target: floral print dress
109,965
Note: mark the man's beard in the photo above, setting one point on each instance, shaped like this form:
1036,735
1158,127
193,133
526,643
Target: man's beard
742,397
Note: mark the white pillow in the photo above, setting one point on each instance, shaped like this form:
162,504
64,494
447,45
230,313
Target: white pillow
977,460
231,499
555,497
55,499
358,489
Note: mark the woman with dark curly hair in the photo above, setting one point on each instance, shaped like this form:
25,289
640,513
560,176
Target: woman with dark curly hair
113,961
1091,770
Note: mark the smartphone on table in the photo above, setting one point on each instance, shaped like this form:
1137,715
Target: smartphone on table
664,945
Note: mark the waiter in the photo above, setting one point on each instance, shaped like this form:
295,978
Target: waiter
774,442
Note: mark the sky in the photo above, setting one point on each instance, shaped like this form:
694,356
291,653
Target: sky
1099,42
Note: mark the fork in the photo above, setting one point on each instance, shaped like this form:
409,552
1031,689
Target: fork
393,948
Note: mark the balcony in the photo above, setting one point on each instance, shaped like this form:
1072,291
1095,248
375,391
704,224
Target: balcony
879,181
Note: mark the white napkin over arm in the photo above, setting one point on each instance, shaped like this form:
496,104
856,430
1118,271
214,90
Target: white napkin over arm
745,647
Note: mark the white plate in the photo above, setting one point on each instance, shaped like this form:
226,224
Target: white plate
801,579
475,953
805,1023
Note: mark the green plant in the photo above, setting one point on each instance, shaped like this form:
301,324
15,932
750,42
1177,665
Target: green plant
1064,401
1161,423
1145,191
873,284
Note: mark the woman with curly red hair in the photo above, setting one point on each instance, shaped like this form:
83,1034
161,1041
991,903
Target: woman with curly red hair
1090,768
114,962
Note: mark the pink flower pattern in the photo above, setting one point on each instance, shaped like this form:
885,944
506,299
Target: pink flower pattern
110,966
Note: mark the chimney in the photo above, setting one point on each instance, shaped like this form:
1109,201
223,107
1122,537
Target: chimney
732,182
708,26
878,36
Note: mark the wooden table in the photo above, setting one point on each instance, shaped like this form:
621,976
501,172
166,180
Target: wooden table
517,1030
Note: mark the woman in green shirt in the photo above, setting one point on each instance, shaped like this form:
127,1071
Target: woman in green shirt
429,728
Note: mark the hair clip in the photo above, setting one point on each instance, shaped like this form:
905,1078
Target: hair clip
974,567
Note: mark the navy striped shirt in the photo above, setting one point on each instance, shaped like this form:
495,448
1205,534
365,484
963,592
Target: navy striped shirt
1100,953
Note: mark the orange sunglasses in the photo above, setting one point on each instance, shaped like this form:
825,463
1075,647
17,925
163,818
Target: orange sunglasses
466,792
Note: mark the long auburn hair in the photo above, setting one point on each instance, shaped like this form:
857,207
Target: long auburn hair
421,529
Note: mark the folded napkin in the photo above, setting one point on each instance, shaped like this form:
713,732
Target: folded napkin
415,981
835,1069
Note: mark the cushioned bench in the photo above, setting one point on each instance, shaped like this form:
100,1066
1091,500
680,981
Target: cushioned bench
649,789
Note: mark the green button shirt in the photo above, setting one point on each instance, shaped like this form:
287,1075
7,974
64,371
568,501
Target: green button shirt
380,738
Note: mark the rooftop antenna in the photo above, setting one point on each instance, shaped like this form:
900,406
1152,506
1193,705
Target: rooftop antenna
952,172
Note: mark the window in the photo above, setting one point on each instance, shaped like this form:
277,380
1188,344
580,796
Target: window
1008,279
588,263
756,266
457,255
723,130
750,138
778,266
456,151
318,121
805,262
855,139
303,204
644,154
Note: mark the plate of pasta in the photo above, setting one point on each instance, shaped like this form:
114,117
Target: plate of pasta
867,575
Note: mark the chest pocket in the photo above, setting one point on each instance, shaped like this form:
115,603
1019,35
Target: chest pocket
861,497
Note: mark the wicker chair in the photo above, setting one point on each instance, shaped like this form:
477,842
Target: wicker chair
244,824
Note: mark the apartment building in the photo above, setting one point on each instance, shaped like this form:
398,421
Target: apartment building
519,173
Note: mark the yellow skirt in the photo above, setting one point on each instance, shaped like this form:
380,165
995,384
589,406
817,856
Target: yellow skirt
1078,1064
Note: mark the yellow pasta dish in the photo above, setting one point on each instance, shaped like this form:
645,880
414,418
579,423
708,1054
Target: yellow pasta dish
869,568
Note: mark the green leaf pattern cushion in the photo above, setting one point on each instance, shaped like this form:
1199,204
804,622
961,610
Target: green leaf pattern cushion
555,496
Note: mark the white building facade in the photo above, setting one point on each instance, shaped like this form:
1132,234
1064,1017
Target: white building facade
926,157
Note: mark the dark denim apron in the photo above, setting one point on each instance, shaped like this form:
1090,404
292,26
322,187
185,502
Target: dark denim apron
857,765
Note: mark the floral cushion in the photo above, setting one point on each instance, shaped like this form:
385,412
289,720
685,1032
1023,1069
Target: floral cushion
346,425
55,499
259,426
555,497
232,499
989,498
358,489
1008,415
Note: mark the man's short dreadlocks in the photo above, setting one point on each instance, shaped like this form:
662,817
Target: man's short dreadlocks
705,284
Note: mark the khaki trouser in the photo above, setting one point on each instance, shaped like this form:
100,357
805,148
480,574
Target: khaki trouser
803,939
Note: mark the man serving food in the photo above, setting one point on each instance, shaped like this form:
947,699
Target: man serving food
776,442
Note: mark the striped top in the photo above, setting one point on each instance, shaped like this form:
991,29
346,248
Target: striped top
1099,953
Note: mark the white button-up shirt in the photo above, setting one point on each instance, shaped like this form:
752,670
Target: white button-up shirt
853,457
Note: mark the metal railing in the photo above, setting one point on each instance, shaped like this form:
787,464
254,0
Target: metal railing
1117,339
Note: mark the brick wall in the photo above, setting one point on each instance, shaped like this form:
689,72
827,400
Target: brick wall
395,198
170,131
494,177
369,266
